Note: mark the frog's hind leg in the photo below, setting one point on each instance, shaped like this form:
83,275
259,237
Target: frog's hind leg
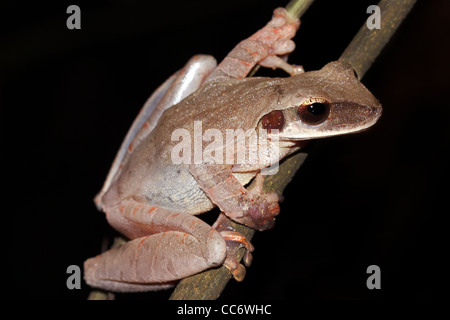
173,90
272,40
166,246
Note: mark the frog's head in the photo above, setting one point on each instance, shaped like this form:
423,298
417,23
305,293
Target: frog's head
324,103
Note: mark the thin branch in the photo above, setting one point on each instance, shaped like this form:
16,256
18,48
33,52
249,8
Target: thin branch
360,53
367,44
297,8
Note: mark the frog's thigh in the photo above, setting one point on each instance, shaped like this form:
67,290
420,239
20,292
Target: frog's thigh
184,245
192,76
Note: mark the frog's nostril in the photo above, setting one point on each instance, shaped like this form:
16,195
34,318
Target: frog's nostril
376,111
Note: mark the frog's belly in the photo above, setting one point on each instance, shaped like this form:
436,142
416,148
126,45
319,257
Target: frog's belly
177,189
167,186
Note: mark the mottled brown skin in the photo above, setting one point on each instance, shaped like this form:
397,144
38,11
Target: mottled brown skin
153,201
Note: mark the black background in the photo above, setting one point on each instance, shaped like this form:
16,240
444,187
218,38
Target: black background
377,198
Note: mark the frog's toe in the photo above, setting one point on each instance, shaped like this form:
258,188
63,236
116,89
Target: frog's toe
235,241
282,47
236,269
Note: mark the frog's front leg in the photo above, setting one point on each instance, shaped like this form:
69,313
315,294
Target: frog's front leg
166,246
252,208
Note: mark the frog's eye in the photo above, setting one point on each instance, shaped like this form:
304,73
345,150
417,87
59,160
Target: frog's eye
273,120
313,111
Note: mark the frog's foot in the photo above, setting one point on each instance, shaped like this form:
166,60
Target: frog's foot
282,26
277,34
261,209
276,37
236,241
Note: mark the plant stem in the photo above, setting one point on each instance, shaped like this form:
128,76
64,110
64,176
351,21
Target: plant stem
367,44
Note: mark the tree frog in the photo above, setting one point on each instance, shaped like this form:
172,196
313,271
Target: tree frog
153,199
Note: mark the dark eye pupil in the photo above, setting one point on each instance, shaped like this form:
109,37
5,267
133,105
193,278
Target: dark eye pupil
314,114
316,108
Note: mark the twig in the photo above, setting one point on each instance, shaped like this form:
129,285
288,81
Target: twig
367,44
360,53
297,8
